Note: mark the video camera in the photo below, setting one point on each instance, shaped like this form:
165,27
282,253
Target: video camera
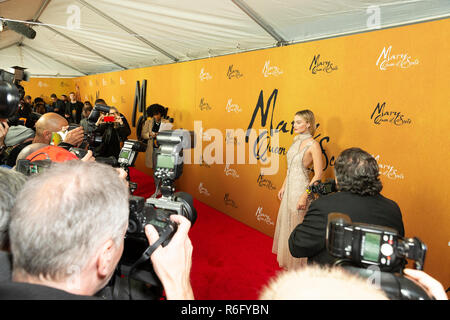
376,252
11,92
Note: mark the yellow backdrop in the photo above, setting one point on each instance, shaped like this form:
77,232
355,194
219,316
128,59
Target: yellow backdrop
384,91
44,87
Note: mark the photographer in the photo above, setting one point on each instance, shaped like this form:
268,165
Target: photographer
4,127
10,184
46,126
58,106
78,260
113,132
357,179
15,139
75,108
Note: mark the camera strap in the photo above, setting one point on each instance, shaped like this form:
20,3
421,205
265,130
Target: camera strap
146,256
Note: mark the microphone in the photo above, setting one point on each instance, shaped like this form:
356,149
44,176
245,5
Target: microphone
20,28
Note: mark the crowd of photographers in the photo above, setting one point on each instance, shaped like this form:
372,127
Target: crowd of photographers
62,231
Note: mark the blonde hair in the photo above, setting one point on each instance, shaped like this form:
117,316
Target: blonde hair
320,283
308,115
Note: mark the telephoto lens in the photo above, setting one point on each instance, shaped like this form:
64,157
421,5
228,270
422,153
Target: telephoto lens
9,99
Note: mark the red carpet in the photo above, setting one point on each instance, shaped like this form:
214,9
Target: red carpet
231,261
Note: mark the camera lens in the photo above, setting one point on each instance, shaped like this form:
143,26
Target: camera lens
132,226
189,211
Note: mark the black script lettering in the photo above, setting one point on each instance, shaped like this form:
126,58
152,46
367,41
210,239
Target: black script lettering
328,162
326,66
382,116
379,110
233,73
261,146
265,183
326,139
399,120
264,113
314,62
278,150
283,124
204,105
228,201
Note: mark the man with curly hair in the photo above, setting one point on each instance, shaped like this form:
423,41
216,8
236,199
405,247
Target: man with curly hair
359,186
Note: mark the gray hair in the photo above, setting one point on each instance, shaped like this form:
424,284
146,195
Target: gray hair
11,182
65,215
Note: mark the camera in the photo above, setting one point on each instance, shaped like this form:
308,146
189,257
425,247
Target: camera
93,139
142,214
169,167
11,92
373,251
29,168
95,113
155,211
369,245
323,188
128,153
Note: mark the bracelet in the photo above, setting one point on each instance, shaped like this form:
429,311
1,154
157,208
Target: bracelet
308,190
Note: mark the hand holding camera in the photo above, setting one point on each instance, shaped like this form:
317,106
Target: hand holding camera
108,118
3,131
100,120
74,137
433,286
172,263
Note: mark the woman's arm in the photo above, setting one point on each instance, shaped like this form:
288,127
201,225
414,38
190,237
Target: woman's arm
281,192
316,153
146,129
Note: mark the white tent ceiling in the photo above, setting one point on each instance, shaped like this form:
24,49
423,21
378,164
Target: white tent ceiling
125,34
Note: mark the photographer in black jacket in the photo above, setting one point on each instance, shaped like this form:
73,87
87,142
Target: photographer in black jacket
357,179
75,261
113,133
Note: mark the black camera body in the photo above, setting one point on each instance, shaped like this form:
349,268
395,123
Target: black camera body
376,252
11,92
95,113
142,213
367,245
128,153
323,188
154,211
29,168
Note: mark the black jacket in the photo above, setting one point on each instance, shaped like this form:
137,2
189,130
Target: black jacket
27,291
309,238
74,111
61,106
